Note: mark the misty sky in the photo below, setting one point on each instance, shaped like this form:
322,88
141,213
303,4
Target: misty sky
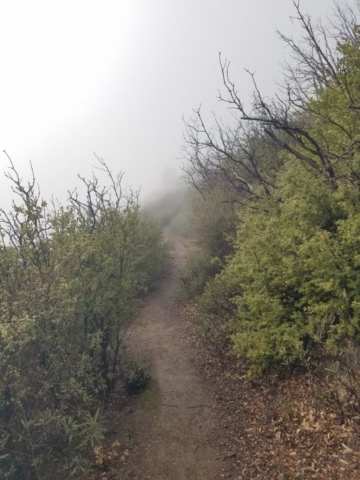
115,77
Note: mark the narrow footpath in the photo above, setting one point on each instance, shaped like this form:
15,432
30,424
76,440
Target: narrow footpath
168,428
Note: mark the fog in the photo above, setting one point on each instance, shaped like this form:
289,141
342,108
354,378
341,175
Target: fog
116,78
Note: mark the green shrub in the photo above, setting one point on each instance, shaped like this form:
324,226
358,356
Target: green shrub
136,378
213,229
199,269
295,268
70,282
289,285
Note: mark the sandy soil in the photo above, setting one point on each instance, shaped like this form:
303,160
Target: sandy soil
169,428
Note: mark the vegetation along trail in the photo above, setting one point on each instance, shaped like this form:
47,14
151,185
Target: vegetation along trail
168,428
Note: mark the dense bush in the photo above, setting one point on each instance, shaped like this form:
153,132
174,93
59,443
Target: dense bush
213,223
70,281
297,268
136,378
292,285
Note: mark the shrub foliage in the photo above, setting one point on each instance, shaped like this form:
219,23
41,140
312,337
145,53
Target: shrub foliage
70,281
291,286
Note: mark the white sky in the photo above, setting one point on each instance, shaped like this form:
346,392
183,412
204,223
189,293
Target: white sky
115,77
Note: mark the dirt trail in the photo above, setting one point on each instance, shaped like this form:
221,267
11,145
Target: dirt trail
169,427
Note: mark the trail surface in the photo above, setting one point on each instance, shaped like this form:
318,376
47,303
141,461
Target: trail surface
169,427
